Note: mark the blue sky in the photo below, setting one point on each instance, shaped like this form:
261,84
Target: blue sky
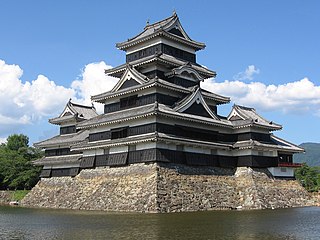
266,54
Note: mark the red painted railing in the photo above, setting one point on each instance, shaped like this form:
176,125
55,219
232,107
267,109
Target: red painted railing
285,164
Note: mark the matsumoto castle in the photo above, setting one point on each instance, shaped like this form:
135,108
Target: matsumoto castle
157,112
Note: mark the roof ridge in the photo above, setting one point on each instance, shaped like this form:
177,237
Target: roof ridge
80,105
173,16
244,107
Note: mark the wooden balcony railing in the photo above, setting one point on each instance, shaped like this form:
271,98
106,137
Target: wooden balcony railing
286,164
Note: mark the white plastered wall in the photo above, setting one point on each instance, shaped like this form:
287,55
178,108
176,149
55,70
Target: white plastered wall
281,171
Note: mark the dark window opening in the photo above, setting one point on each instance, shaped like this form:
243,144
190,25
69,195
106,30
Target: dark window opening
99,136
180,147
59,152
67,130
132,148
119,133
128,102
162,48
262,137
136,101
285,158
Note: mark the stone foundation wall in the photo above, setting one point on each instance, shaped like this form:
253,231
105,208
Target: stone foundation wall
183,188
316,198
167,188
5,197
131,188
258,190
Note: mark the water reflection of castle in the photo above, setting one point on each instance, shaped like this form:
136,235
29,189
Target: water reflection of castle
157,112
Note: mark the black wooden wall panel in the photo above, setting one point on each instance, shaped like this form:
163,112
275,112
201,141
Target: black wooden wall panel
74,171
87,162
45,173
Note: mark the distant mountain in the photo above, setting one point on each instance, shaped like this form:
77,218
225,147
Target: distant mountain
311,156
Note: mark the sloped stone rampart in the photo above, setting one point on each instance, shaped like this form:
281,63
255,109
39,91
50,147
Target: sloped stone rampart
167,188
258,190
5,197
316,198
113,189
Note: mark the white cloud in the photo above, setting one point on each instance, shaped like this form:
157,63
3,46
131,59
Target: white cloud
3,140
26,103
93,81
247,74
23,103
301,96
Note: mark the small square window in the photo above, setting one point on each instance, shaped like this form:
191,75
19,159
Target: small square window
180,147
132,148
214,151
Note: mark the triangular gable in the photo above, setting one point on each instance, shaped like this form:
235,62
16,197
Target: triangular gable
235,118
171,25
177,29
235,115
195,104
131,77
129,83
67,111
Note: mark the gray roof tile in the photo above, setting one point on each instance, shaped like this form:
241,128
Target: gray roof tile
67,139
56,160
249,116
117,116
164,58
277,144
161,27
78,113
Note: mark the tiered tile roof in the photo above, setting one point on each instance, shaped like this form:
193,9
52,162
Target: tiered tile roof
73,111
162,28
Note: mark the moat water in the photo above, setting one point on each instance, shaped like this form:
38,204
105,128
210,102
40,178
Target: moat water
23,223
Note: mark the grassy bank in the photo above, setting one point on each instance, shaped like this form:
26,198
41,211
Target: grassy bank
8,196
18,195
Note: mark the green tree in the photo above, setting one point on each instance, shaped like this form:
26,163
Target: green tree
309,177
16,168
17,141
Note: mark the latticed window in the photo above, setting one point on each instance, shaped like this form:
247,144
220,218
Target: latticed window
119,133
128,101
67,130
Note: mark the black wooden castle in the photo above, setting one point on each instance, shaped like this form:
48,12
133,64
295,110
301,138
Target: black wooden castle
158,112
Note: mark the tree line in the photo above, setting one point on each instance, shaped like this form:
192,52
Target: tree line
16,169
309,177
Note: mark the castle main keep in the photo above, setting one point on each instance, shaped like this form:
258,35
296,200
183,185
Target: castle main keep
160,144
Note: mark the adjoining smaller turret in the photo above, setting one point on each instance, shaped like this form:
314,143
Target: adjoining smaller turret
58,159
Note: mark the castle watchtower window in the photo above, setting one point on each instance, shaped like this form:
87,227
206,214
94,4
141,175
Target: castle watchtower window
67,130
128,102
119,133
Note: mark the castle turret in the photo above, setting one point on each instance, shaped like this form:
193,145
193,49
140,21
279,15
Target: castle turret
58,159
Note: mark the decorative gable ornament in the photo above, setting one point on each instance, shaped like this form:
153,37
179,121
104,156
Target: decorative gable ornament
131,77
195,97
